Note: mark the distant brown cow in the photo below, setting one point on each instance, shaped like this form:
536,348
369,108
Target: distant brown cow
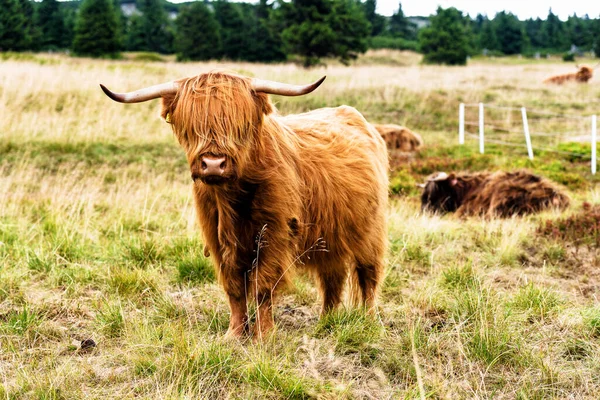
273,191
498,194
399,138
583,74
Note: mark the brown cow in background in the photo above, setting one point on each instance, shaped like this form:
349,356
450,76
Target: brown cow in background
274,191
583,75
498,194
399,138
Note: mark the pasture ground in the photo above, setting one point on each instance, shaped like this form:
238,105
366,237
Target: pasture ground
98,240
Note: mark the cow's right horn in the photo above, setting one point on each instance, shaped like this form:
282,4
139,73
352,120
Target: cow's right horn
138,96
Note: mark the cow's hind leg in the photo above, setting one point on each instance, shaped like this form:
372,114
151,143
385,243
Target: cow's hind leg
332,279
368,276
369,273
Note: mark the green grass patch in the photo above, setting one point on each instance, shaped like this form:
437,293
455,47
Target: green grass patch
539,302
267,376
19,322
353,331
196,269
591,320
459,277
111,320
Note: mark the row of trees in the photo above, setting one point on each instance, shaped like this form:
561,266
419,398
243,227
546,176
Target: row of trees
452,36
273,31
506,34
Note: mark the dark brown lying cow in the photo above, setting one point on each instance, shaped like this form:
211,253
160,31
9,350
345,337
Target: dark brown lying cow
399,138
498,194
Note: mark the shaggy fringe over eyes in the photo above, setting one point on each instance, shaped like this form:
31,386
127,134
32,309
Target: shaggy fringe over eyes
217,112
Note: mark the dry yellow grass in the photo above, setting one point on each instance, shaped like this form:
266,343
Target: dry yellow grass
98,240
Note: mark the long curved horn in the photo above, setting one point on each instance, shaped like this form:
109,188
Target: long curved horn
597,65
284,89
438,176
149,93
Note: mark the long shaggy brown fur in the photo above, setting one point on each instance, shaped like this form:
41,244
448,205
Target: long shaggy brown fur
399,138
583,75
498,194
308,189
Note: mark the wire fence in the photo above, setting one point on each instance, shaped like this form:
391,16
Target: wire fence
550,132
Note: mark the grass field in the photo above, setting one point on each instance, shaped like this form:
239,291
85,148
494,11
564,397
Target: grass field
98,240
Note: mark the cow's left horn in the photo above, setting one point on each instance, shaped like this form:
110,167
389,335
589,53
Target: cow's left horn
284,89
439,176
149,93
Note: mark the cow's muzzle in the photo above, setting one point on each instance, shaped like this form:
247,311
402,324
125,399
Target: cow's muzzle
212,169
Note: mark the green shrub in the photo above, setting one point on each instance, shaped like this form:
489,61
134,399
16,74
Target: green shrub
147,56
388,42
402,183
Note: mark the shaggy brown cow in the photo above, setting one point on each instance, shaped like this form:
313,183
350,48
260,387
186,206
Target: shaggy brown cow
583,75
399,137
273,191
498,194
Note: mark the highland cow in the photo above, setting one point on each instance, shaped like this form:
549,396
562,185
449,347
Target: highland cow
276,191
399,138
583,74
498,194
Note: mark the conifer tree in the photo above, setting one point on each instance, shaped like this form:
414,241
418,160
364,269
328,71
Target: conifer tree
324,28
400,26
445,41
509,32
154,26
555,33
377,21
197,34
232,28
13,26
265,44
51,24
97,30
135,39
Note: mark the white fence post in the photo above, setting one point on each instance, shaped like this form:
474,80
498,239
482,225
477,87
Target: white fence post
526,131
481,128
593,144
461,123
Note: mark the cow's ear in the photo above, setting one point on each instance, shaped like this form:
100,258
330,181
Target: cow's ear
420,185
263,103
452,179
169,102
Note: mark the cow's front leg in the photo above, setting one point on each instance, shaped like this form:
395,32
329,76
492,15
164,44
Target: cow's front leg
235,284
264,315
238,321
269,276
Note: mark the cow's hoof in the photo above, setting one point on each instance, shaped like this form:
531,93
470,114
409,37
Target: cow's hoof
235,335
261,335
